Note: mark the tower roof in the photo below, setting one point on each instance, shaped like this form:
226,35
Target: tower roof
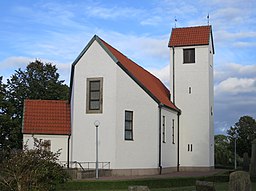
190,36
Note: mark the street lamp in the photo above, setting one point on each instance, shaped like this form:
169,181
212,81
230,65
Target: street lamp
97,124
235,137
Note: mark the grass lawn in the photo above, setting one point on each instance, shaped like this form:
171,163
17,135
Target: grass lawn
155,184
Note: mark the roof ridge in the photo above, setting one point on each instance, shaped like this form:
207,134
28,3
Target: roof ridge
198,26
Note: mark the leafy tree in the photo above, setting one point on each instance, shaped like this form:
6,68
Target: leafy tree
35,169
38,81
8,127
245,132
223,154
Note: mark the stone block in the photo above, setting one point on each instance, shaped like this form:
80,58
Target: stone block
239,181
204,186
138,188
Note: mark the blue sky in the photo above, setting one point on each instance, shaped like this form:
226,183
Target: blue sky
57,31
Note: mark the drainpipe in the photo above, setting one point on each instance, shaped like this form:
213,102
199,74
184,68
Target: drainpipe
160,141
173,76
68,149
178,142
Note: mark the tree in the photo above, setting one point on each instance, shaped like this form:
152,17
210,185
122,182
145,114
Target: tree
245,132
223,154
38,81
35,169
8,127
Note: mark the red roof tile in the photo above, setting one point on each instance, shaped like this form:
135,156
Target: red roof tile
190,36
46,117
149,82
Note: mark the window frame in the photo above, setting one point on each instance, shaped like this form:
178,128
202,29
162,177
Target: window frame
130,121
88,95
189,55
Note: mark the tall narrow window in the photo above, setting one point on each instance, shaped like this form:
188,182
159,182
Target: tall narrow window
189,90
189,55
173,142
128,129
94,95
164,130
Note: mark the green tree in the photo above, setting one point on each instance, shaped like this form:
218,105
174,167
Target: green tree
223,154
38,81
8,127
245,132
34,169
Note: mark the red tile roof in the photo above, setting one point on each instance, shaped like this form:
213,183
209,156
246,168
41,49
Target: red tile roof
46,117
151,84
190,36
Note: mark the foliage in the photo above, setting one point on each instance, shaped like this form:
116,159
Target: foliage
38,81
35,169
245,131
8,127
223,155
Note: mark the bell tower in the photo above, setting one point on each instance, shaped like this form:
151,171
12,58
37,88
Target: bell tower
191,69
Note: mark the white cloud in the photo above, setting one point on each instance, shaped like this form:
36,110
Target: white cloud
236,86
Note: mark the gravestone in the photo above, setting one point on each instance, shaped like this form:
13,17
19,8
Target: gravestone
138,188
239,181
253,160
204,186
246,162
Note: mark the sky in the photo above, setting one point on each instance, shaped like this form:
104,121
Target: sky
57,31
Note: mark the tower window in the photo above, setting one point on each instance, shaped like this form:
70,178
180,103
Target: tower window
189,55
189,90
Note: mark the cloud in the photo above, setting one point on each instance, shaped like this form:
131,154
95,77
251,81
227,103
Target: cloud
236,86
162,73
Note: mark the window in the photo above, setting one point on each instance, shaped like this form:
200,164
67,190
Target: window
189,90
173,142
189,55
190,147
164,130
128,132
94,95
46,145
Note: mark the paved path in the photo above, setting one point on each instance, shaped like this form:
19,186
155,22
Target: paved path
173,174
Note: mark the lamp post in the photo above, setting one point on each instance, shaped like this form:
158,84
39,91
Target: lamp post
97,124
235,137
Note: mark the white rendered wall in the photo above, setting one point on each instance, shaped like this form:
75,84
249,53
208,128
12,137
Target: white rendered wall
196,122
169,150
142,152
57,142
94,63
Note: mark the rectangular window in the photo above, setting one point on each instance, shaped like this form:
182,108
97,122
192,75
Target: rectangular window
189,90
173,142
94,95
190,147
128,125
164,130
46,145
189,55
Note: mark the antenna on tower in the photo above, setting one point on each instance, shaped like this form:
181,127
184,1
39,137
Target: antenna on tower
175,20
208,19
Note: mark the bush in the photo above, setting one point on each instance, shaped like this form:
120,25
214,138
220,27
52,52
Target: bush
35,169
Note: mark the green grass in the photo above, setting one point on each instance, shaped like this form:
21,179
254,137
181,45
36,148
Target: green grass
155,184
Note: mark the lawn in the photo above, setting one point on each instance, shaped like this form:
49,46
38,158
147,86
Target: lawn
155,184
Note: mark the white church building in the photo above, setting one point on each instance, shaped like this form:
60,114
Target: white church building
143,127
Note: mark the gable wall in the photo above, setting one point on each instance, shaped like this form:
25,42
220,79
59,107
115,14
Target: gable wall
94,63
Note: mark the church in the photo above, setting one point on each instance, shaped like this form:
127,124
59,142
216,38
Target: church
125,118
